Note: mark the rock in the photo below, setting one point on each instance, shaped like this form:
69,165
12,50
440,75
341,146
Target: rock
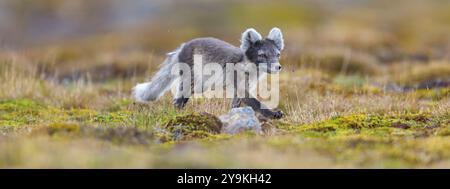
239,120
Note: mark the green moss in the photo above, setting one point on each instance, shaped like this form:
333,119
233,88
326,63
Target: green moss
19,112
82,115
401,140
193,126
408,124
112,117
342,123
19,104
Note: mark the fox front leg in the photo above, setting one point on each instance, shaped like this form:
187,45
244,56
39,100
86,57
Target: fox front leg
259,107
180,102
236,103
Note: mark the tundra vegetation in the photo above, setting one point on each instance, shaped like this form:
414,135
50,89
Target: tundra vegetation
364,85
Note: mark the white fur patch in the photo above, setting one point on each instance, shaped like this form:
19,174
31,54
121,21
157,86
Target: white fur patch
140,91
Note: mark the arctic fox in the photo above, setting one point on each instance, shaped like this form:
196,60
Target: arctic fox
264,53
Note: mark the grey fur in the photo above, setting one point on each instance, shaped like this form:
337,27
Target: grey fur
212,50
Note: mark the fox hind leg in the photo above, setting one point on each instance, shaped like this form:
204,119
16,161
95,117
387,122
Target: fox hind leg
180,102
182,96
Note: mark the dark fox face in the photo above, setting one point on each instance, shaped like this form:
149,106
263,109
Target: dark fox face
263,52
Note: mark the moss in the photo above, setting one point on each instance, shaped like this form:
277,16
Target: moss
19,104
357,121
82,115
407,124
19,112
193,126
422,117
112,117
63,128
407,139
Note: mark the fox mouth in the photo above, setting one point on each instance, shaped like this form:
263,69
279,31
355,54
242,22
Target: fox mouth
272,68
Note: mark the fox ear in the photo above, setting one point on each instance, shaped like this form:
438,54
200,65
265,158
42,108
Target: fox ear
249,37
276,36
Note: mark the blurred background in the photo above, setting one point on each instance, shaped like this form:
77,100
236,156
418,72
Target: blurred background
107,39
409,26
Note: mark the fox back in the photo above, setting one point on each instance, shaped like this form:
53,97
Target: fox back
212,50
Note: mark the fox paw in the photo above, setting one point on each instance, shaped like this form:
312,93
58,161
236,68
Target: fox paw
277,114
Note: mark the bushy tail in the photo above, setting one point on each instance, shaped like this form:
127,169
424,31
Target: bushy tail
160,83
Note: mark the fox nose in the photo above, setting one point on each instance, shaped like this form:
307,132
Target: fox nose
278,67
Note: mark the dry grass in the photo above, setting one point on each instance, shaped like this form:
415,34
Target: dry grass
410,75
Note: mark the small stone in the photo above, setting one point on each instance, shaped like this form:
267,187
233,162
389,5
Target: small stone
239,120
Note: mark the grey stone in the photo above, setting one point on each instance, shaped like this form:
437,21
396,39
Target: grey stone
239,120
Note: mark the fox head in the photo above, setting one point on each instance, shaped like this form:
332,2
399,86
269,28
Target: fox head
265,53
